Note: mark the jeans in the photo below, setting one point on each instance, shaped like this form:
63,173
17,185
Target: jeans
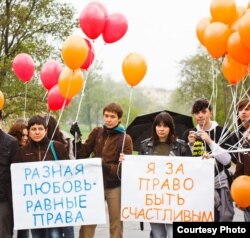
160,230
113,198
68,231
23,234
46,233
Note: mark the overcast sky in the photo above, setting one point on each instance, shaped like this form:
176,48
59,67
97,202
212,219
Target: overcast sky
162,31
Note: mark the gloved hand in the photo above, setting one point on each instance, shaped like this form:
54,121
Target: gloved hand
75,130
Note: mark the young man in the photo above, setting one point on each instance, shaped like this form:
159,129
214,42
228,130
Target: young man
107,142
241,139
208,137
8,148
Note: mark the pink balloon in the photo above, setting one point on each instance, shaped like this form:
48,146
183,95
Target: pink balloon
90,56
49,73
99,5
23,67
116,26
92,21
55,100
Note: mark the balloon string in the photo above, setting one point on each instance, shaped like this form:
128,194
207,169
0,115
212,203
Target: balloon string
82,95
129,109
25,102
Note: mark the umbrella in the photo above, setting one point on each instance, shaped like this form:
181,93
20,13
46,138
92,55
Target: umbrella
141,127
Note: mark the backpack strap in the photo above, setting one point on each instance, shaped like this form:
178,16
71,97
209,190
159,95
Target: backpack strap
52,147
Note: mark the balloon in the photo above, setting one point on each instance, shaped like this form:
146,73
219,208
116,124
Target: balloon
23,67
215,39
233,71
1,100
90,56
116,26
92,21
134,68
70,82
74,51
55,99
99,5
223,11
240,191
237,50
244,29
201,27
49,74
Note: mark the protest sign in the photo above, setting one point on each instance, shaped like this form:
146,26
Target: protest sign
58,193
164,189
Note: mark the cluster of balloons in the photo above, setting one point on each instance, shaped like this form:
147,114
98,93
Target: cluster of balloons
226,34
240,191
95,21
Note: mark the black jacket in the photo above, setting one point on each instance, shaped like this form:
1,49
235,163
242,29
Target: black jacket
179,148
8,148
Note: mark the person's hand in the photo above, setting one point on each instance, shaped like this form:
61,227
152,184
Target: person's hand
191,137
205,137
75,130
121,158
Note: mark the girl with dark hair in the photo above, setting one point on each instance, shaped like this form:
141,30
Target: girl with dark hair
163,142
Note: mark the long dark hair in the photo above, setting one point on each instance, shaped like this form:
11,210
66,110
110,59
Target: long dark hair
167,120
53,129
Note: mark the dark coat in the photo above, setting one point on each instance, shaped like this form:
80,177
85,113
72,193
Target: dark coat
179,148
8,148
101,143
35,151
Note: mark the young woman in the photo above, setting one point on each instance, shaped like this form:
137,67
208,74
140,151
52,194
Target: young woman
37,150
163,142
20,132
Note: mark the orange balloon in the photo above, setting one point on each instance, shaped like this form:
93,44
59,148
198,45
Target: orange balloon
244,29
240,191
134,68
1,100
237,50
234,26
233,71
223,11
74,51
201,27
215,39
70,82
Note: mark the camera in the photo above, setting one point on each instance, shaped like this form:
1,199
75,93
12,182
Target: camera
198,135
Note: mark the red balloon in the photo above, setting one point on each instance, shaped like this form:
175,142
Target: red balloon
116,26
49,74
90,56
92,21
23,67
99,5
56,100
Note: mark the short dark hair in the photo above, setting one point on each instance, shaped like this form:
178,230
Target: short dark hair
167,120
39,120
200,105
113,107
245,102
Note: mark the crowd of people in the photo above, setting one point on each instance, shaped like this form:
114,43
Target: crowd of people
40,139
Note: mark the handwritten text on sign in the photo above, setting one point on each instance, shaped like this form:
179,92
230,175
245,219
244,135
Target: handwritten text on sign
164,189
58,193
